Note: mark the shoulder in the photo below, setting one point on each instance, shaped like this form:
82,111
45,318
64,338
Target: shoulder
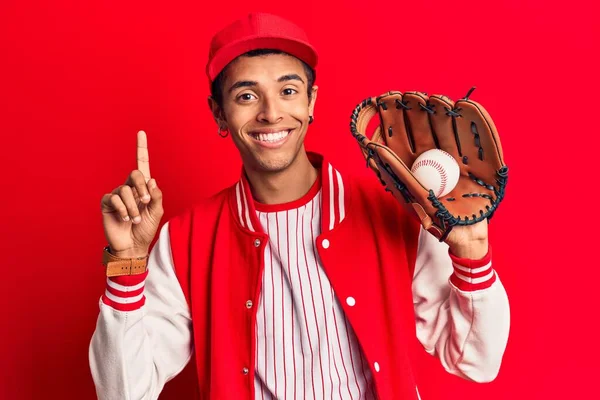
368,183
204,208
194,226
371,200
367,189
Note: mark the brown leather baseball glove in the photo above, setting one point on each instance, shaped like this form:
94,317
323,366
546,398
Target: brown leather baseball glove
411,123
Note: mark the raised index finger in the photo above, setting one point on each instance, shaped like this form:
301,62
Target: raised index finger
143,160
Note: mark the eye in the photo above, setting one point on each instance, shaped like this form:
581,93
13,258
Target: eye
245,96
289,91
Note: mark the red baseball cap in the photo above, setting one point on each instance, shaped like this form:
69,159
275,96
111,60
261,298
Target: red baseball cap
258,31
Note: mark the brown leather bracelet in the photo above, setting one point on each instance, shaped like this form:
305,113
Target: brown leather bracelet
116,266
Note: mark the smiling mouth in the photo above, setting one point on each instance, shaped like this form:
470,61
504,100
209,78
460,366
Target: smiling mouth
271,137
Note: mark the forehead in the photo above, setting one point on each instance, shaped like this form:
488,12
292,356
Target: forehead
264,69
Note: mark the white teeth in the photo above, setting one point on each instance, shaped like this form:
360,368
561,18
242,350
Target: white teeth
271,137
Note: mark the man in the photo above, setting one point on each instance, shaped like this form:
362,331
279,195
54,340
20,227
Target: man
288,284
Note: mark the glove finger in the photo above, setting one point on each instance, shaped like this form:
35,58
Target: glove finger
479,141
389,163
417,121
361,117
489,142
393,126
441,124
365,150
407,189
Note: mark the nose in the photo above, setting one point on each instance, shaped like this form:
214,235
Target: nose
270,111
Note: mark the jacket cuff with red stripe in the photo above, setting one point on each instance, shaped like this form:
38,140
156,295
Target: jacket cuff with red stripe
471,275
125,293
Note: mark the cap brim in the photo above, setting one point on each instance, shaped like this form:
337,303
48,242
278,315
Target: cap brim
294,47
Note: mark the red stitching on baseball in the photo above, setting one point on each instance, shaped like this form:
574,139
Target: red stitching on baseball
438,167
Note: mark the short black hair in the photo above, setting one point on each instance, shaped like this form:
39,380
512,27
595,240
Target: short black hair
217,85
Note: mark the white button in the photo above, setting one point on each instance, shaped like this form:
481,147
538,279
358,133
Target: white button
245,371
350,301
376,365
249,304
325,244
257,243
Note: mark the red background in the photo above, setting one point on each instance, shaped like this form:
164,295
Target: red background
78,80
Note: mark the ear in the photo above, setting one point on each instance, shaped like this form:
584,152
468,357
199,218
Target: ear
217,113
313,99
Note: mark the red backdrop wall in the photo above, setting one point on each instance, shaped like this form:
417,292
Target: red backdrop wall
78,79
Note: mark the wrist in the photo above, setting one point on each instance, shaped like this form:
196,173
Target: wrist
472,274
473,250
129,253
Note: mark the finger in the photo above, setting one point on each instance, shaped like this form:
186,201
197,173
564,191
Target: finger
441,124
418,125
112,202
136,179
394,132
155,205
128,199
143,159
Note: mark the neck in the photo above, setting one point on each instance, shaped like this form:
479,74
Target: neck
283,186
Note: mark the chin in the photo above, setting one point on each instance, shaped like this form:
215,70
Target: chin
274,164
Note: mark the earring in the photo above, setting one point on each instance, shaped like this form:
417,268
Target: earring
310,119
219,130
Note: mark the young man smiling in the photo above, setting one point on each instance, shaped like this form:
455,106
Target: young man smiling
289,284
266,101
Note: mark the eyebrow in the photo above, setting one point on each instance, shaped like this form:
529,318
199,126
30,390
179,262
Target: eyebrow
284,78
290,77
240,84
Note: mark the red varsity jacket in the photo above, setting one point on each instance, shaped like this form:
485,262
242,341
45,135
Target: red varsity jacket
368,249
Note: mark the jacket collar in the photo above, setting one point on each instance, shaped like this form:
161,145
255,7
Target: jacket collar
334,198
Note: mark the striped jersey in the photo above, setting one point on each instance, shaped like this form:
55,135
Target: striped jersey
305,347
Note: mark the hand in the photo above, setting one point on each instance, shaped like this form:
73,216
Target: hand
131,213
469,241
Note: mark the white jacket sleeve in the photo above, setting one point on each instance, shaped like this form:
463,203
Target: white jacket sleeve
461,309
143,336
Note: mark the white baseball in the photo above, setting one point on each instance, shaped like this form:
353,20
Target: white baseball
436,170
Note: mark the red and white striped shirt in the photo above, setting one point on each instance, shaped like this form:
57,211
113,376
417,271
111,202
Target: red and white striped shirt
305,347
